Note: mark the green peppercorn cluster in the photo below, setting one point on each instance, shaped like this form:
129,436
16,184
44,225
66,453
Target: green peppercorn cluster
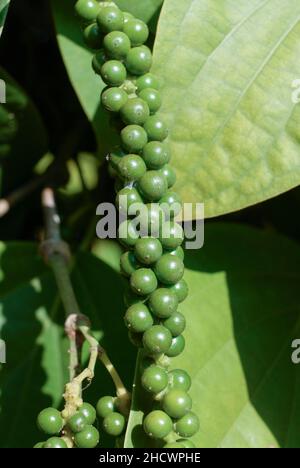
153,260
79,429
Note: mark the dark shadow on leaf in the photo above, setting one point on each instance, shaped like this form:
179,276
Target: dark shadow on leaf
263,276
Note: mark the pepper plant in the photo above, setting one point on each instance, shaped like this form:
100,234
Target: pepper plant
134,341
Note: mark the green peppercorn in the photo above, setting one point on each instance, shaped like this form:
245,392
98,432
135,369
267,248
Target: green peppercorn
147,81
136,339
181,290
127,233
110,18
115,157
105,406
134,138
156,154
157,339
39,445
179,252
156,129
171,235
93,36
87,438
152,185
138,318
186,443
89,413
163,302
87,9
113,73
171,204
143,281
152,97
113,99
55,442
169,174
128,263
188,425
180,379
131,298
135,111
151,219
127,16
157,424
139,60
176,323
132,167
177,346
126,198
169,269
137,31
50,421
114,424
116,44
98,61
148,250
176,403
77,422
154,379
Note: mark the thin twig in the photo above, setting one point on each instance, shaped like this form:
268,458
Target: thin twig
66,151
17,195
77,325
102,355
124,397
57,254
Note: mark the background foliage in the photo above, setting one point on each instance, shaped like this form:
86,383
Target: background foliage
226,69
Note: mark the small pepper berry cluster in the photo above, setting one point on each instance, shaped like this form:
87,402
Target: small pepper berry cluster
153,260
80,425
79,429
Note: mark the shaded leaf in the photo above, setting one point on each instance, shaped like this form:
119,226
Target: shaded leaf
242,314
78,61
4,4
109,252
228,68
30,141
31,321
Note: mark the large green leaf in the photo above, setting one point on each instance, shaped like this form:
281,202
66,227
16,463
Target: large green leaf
228,68
4,4
31,321
144,10
242,314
